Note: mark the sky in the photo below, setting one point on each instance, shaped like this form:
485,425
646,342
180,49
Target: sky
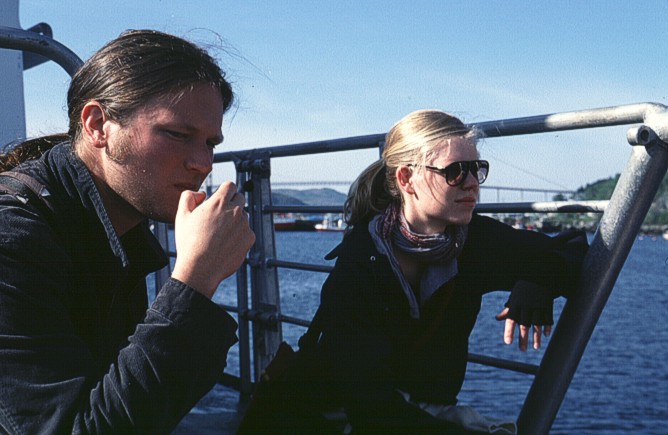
308,70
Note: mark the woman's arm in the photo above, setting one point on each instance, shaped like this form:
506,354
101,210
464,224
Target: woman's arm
496,256
536,268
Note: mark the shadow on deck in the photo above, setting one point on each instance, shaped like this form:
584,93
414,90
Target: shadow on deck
219,412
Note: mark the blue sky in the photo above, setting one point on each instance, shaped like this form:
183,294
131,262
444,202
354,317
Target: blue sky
311,70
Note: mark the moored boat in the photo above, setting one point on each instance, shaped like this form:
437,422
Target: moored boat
295,225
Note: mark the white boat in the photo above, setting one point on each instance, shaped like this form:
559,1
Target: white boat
329,224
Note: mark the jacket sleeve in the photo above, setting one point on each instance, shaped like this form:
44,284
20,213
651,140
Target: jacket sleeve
175,356
359,348
497,256
48,380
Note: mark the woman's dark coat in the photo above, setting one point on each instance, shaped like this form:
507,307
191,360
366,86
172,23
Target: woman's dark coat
374,347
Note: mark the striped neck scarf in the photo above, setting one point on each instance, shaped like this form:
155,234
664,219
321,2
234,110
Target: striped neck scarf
428,248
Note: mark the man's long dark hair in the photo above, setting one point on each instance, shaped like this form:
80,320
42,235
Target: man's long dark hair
124,75
136,67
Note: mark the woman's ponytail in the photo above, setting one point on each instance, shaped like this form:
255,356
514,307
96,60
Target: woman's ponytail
368,194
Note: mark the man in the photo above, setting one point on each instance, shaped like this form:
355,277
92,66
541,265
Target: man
79,350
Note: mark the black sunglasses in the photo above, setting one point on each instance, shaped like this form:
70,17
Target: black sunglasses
455,173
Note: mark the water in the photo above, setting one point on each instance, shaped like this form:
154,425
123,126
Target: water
621,384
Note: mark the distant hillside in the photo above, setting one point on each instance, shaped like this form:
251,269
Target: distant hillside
307,197
280,198
598,190
657,217
602,190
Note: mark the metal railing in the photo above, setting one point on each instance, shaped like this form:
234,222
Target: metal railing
612,242
34,42
622,216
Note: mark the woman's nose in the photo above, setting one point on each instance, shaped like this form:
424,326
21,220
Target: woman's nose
471,182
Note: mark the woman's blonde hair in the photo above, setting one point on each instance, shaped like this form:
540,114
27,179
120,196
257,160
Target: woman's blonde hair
413,140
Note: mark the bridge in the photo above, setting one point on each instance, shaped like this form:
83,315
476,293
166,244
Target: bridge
547,194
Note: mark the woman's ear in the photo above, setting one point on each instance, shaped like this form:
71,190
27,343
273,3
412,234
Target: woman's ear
404,176
93,119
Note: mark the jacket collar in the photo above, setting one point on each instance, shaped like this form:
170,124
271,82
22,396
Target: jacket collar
77,182
362,243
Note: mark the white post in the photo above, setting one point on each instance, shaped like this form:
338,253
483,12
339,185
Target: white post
12,105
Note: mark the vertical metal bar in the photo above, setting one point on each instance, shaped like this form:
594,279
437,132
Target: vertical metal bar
209,185
245,387
264,279
614,238
161,232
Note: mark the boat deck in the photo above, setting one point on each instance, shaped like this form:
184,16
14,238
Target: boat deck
219,412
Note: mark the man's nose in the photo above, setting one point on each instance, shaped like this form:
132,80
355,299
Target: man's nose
201,159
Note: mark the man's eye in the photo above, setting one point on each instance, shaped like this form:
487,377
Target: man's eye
176,134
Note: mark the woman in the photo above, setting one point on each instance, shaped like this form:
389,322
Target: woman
398,308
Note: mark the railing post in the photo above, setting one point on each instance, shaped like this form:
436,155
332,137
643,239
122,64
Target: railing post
614,238
264,278
161,232
245,384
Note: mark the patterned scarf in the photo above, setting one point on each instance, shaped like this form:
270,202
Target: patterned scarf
428,248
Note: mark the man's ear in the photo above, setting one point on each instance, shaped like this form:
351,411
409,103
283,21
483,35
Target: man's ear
92,122
404,176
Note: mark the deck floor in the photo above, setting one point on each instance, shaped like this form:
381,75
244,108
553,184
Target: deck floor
219,412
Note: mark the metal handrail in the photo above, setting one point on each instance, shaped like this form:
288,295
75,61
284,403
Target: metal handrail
483,187
549,207
25,40
591,118
612,243
621,220
499,207
576,120
307,148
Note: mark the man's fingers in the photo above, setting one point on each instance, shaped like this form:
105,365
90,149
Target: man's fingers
227,196
226,192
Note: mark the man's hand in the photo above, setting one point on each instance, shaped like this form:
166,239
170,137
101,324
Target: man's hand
212,237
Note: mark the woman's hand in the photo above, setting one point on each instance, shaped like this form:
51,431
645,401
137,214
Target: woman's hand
509,331
530,308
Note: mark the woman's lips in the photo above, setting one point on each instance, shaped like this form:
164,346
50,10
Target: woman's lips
468,201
